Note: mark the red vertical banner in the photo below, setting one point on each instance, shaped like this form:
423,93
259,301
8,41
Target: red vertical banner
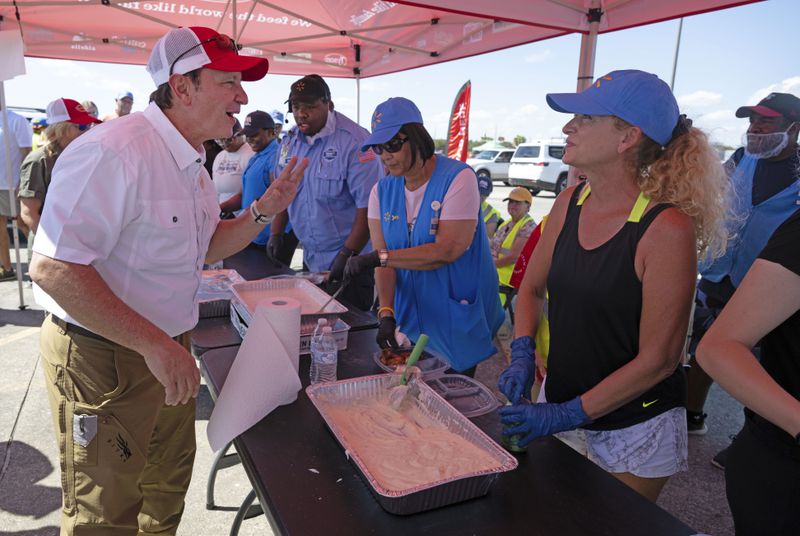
458,131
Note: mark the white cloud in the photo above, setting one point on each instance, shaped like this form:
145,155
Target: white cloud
788,85
699,99
538,57
528,109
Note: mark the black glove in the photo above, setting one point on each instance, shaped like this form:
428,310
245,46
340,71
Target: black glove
386,329
274,246
338,264
361,263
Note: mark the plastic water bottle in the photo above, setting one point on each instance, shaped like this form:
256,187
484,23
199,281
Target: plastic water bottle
321,323
324,355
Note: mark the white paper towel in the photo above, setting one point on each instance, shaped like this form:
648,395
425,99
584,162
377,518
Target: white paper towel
264,374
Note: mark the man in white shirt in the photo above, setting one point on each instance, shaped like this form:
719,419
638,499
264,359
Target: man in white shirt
20,137
131,217
229,165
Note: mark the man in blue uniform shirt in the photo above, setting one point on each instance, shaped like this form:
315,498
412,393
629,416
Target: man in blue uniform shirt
329,214
259,132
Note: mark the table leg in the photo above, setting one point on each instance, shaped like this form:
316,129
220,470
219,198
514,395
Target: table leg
222,460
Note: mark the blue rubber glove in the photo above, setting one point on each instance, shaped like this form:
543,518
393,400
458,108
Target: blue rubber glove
537,420
516,381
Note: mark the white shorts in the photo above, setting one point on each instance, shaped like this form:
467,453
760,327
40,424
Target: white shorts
655,448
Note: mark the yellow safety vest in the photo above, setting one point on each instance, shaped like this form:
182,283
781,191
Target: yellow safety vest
504,272
488,212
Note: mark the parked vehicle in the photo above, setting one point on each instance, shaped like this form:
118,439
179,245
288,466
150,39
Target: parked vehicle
537,166
492,163
28,112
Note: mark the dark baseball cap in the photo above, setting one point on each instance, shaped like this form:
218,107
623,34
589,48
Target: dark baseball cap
310,88
254,122
774,105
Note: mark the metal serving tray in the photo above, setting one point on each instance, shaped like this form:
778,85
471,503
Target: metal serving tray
215,292
340,329
431,364
272,287
426,496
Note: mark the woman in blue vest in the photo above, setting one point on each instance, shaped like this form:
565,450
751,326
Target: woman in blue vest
434,271
617,262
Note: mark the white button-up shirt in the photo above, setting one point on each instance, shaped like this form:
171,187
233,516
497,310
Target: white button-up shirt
132,199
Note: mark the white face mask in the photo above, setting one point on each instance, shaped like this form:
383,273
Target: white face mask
766,145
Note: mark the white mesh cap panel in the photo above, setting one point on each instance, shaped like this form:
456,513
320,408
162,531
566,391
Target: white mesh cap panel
170,47
57,112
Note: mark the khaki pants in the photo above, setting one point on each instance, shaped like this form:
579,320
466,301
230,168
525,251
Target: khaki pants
126,458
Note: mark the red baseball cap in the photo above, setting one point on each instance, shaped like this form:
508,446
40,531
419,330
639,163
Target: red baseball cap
185,49
69,110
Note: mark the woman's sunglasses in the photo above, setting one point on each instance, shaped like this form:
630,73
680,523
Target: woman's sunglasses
391,146
223,41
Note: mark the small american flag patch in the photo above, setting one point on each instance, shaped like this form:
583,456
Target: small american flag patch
366,156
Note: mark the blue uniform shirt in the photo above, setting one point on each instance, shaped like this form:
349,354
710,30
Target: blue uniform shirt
338,181
255,181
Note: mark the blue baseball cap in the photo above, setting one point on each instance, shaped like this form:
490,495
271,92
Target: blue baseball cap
387,119
277,116
39,121
484,185
642,99
124,95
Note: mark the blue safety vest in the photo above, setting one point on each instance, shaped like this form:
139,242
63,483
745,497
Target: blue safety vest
456,305
752,224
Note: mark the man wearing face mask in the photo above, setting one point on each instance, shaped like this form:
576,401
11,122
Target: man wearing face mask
765,179
329,215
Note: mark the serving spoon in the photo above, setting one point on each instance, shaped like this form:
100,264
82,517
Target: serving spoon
398,393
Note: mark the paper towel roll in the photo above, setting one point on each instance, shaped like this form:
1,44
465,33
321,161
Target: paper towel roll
264,374
283,314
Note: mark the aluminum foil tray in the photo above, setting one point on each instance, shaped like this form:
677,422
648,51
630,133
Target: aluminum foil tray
312,298
430,495
430,363
215,292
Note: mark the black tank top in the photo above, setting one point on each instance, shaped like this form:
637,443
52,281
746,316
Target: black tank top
595,305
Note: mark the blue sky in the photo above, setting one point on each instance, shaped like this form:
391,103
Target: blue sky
727,59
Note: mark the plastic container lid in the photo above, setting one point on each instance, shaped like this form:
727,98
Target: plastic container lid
469,396
431,364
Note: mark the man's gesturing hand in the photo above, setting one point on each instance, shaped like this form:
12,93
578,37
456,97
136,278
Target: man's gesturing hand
283,189
175,369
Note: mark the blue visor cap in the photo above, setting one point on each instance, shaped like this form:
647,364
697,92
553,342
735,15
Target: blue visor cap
642,99
387,119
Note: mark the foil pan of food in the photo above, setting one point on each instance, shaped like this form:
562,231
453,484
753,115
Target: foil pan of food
430,363
311,299
420,456
215,292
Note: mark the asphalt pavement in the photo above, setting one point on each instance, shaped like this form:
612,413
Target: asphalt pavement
29,463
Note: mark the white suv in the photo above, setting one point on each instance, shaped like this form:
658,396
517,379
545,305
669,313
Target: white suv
537,166
492,163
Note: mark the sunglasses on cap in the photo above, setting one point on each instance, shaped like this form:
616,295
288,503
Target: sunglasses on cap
222,41
391,146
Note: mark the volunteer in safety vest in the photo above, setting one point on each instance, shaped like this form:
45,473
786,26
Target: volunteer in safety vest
510,238
433,268
490,215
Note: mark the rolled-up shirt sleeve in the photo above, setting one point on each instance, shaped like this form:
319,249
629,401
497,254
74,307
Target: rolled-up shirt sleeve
89,202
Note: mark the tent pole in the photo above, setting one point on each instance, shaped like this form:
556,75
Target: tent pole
586,63
358,99
233,12
675,59
11,193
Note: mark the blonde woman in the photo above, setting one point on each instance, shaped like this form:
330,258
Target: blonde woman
66,120
618,259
